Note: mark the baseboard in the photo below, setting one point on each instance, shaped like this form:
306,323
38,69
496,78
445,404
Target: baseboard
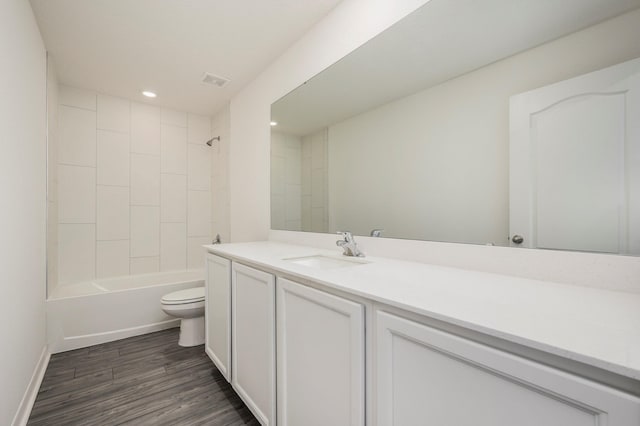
24,409
77,342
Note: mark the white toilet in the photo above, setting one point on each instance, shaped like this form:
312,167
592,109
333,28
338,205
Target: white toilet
188,305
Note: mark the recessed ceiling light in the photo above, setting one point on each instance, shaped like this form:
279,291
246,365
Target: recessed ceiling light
274,123
149,94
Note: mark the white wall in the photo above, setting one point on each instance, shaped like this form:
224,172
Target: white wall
346,27
437,162
134,187
22,216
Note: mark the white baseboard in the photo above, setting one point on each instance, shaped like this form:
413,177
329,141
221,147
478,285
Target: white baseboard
24,409
77,342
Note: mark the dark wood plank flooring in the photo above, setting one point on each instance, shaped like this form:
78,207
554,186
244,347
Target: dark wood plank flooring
143,380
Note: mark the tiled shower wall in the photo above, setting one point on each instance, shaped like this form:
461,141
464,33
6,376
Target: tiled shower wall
299,196
220,124
315,211
134,187
286,181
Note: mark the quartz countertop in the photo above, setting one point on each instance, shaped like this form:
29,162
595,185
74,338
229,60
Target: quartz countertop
593,326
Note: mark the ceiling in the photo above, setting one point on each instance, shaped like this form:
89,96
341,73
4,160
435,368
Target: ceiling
121,47
439,41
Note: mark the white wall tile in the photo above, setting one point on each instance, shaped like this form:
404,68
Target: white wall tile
145,231
77,142
199,129
145,180
195,252
79,98
77,194
199,167
123,146
220,180
199,214
77,253
293,225
112,259
277,175
225,233
113,158
277,143
219,161
317,188
278,212
306,213
173,149
219,207
317,219
145,129
113,114
306,176
306,147
144,265
318,153
173,198
173,246
293,203
113,213
293,166
174,118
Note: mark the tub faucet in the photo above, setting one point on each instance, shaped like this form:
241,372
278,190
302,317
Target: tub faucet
348,244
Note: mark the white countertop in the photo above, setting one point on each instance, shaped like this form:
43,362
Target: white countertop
593,326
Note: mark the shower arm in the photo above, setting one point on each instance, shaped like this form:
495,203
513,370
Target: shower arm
210,141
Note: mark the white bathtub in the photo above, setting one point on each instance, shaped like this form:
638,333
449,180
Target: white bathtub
89,313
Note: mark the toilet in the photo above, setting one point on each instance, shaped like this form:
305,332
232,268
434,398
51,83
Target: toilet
188,305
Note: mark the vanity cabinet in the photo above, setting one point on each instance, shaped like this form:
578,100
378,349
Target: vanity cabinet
253,340
337,353
218,313
427,376
321,357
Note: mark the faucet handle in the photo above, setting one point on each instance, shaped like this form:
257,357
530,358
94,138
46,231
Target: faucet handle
346,235
376,232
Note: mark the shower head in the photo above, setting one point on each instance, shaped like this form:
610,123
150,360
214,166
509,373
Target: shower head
210,141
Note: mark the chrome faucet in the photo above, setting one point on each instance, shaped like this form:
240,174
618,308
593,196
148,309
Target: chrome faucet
348,244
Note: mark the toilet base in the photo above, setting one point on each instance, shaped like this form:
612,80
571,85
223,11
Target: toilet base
191,332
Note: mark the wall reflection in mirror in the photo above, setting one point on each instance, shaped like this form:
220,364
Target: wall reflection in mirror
473,122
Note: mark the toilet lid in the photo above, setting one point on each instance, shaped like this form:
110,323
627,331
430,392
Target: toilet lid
189,295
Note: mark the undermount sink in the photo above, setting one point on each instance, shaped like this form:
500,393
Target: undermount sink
324,262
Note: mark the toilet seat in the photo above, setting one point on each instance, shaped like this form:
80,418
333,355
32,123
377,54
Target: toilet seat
182,297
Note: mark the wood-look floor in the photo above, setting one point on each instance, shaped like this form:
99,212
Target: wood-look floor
143,380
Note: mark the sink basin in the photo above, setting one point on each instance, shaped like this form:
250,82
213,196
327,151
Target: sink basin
324,262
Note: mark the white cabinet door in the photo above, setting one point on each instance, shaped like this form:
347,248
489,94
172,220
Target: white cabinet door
428,377
217,313
321,360
253,340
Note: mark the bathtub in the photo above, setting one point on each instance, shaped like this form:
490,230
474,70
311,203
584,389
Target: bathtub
99,311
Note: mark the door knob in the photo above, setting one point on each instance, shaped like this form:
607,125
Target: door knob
517,239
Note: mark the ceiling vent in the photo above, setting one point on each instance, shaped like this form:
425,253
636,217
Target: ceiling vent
214,80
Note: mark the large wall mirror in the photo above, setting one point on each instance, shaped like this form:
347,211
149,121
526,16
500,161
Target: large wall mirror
486,122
